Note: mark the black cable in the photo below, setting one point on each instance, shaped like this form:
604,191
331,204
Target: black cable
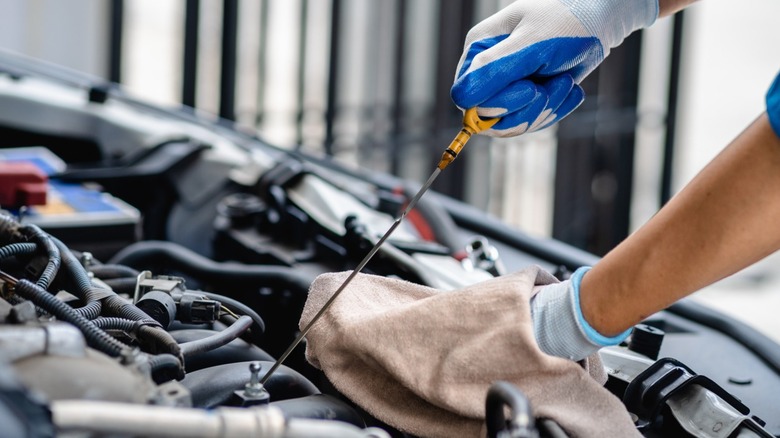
217,340
114,323
52,254
238,306
91,310
83,288
117,306
16,249
96,338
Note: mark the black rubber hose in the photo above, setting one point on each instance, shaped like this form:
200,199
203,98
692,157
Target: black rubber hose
121,285
521,422
162,340
15,249
114,305
150,254
114,323
52,254
221,338
91,310
83,288
235,305
151,330
163,361
237,350
165,367
96,338
158,337
110,272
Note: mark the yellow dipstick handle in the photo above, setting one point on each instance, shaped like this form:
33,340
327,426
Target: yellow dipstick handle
472,124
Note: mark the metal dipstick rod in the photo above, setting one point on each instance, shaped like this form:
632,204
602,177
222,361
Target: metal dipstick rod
472,124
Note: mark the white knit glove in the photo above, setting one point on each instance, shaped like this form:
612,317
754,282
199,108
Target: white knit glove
523,63
559,326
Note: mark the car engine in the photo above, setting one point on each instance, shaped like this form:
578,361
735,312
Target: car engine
154,264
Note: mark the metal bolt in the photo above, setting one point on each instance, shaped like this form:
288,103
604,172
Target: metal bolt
254,387
86,259
253,393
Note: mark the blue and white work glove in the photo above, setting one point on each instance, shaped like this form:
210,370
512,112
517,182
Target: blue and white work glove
559,326
773,105
525,62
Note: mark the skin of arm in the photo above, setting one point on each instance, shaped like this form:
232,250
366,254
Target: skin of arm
724,220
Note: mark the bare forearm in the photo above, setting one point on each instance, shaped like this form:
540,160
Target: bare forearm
723,221
669,7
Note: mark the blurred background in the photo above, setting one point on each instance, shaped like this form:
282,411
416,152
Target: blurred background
367,83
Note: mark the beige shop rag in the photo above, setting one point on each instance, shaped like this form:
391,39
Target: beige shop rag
422,360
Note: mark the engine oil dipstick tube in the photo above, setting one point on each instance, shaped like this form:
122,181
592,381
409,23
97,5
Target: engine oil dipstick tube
472,124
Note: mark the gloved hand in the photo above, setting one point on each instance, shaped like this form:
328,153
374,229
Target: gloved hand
773,105
559,326
525,62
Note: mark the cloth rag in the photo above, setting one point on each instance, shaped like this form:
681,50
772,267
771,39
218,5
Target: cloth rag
422,360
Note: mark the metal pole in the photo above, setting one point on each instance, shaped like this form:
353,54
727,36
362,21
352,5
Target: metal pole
115,46
190,66
395,144
301,110
262,63
333,71
227,83
671,109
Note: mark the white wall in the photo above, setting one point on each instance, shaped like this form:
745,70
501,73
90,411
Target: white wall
71,33
731,55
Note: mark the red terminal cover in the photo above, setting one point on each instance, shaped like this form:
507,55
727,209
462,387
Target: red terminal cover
22,184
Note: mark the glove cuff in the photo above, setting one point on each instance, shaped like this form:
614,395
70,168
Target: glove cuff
559,326
613,20
773,105
593,335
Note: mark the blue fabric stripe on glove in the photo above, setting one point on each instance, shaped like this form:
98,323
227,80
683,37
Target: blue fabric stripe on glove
574,56
510,57
773,105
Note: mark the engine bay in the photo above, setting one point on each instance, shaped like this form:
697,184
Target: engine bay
169,264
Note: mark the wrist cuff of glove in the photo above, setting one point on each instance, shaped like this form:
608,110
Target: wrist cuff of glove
559,326
592,334
773,105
